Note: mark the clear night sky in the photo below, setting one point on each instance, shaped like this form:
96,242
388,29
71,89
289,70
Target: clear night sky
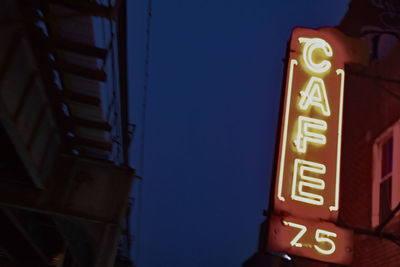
212,111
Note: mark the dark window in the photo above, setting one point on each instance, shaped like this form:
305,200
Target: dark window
385,199
387,157
385,191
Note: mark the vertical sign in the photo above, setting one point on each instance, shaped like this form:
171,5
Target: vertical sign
306,197
308,174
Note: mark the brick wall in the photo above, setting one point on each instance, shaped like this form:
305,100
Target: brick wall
369,108
374,252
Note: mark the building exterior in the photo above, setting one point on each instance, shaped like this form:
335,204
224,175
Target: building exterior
64,174
370,158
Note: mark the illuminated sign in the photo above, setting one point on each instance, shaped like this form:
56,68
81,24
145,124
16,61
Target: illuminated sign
318,240
308,166
306,196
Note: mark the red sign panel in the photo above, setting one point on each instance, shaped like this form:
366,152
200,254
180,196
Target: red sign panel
308,167
308,172
318,240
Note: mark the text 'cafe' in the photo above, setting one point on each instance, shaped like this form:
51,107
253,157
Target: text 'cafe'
306,194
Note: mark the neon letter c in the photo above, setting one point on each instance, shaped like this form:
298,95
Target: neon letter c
310,45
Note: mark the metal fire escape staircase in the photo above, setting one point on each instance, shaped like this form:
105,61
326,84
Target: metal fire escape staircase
63,105
63,73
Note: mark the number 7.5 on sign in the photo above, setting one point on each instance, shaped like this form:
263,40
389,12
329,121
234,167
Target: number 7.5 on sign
321,237
323,241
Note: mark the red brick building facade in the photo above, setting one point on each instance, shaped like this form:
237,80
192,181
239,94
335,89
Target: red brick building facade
370,188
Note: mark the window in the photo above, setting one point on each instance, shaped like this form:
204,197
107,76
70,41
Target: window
385,189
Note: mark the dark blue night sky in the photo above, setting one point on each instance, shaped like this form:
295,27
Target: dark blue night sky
212,111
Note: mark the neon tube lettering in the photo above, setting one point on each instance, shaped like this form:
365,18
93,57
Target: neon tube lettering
310,45
298,192
315,95
339,144
322,236
303,229
293,63
304,135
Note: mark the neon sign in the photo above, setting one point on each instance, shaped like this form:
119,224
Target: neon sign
318,240
306,198
308,174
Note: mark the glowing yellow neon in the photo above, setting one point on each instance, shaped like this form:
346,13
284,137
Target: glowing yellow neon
304,135
339,143
302,231
322,236
308,181
293,62
315,95
310,45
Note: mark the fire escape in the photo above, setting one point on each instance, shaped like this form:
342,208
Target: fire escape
65,180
